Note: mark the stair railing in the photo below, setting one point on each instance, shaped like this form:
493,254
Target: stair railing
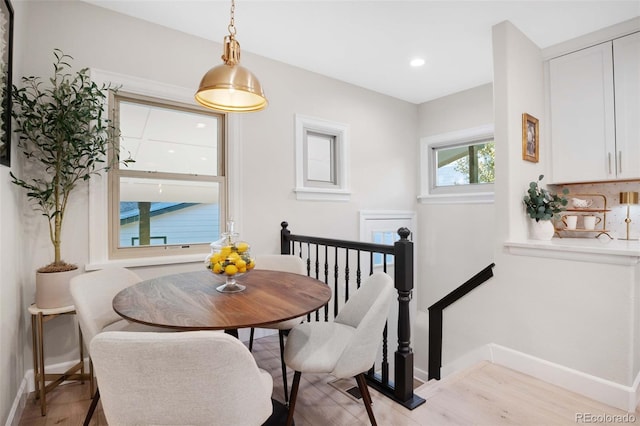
435,318
354,257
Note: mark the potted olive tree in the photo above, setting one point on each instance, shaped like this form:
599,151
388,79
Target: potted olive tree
64,136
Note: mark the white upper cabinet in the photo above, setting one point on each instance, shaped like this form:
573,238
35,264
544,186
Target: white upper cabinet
626,77
595,118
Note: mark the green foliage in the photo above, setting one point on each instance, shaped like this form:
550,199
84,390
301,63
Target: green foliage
486,164
541,204
64,136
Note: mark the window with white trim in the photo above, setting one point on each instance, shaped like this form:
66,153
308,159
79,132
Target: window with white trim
321,159
381,227
172,198
458,166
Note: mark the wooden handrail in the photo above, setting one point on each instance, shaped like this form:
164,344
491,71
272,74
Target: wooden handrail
435,318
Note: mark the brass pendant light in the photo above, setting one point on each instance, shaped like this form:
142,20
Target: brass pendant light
231,87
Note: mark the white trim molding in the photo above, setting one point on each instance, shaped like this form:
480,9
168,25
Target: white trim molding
592,250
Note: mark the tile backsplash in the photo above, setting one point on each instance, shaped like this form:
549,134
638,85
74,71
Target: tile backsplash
615,217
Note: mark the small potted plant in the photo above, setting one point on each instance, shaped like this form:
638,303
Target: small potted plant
541,207
64,137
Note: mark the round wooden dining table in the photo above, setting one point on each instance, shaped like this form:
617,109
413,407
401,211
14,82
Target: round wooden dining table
190,301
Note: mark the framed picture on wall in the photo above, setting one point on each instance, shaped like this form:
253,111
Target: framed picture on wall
6,57
530,138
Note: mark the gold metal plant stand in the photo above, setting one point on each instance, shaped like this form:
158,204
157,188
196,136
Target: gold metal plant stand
40,377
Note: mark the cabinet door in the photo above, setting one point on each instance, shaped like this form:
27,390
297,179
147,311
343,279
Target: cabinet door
626,59
582,115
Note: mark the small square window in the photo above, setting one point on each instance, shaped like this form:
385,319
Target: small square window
321,159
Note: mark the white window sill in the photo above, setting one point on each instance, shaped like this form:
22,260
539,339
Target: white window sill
475,198
322,194
147,261
594,250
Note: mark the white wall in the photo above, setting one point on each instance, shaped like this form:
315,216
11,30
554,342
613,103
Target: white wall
13,302
576,314
582,316
383,138
455,240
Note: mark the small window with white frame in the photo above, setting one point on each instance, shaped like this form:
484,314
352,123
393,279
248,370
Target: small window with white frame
172,198
321,159
458,166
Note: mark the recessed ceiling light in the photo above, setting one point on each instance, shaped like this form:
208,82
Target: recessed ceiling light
201,125
417,62
171,151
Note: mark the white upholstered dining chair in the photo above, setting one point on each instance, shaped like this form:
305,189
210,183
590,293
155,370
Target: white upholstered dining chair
188,378
346,347
92,294
286,263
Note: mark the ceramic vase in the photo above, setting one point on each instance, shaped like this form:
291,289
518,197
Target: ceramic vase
541,230
52,289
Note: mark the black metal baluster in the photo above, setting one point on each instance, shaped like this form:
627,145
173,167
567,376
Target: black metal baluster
326,279
358,271
335,283
346,275
385,359
317,263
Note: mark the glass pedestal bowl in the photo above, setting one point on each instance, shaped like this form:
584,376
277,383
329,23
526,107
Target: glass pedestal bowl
231,285
232,260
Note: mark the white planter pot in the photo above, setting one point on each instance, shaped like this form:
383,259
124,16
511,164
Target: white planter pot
542,230
52,289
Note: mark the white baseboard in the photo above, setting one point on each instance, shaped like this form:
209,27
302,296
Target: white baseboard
605,391
422,375
19,403
27,386
53,368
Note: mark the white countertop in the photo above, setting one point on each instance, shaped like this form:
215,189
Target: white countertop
599,250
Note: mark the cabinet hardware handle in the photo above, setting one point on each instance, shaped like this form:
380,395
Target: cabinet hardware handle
619,162
609,158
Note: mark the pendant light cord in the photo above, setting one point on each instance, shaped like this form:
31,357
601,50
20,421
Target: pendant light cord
232,23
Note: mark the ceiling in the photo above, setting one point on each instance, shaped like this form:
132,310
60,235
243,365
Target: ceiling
370,43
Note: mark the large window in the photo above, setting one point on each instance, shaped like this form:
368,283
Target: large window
172,198
458,166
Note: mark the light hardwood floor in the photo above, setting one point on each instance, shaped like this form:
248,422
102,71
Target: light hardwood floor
486,394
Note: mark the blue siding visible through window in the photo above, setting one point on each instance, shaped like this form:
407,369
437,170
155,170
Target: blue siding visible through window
171,223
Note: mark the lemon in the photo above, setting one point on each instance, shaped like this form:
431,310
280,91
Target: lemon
217,268
241,264
231,270
242,247
251,264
